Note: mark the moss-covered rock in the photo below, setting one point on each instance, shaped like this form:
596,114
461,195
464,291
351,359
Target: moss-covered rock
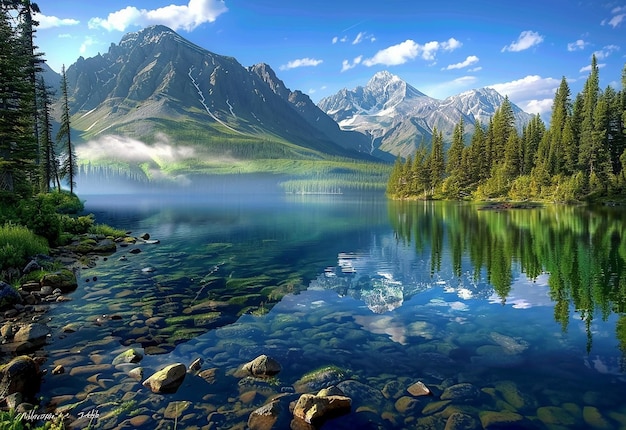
20,375
63,279
131,355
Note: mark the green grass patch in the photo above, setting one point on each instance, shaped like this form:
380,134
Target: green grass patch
18,244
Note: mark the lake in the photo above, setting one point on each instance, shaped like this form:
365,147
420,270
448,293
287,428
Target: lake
512,318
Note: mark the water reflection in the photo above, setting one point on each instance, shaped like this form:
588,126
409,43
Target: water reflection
388,292
582,251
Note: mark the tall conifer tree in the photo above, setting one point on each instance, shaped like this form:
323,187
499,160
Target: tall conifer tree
69,165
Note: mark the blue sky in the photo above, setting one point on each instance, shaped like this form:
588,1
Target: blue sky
442,48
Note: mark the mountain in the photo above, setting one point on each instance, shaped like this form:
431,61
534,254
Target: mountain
155,87
397,117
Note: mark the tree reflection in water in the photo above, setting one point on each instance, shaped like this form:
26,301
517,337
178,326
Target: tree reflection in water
581,249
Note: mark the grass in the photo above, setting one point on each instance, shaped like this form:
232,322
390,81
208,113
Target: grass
18,244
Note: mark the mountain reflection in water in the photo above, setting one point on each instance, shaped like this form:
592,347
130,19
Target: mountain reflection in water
527,306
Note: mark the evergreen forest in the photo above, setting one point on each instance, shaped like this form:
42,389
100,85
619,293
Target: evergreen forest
32,159
581,156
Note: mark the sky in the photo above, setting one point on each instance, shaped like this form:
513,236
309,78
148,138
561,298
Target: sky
442,48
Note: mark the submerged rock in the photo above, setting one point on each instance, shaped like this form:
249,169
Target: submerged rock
265,417
166,380
464,392
461,421
129,356
31,333
419,389
320,378
262,367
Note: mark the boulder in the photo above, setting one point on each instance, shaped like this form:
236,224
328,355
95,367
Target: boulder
315,410
129,356
31,332
136,373
166,380
461,421
461,393
419,389
31,267
8,296
106,246
265,417
262,367
20,375
64,279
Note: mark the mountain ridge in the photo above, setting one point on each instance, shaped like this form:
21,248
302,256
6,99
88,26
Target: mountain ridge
155,83
398,117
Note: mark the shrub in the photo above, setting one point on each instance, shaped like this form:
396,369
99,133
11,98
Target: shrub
107,230
39,215
18,244
76,225
64,202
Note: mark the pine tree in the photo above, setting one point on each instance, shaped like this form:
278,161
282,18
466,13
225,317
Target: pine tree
512,157
561,111
18,144
393,183
48,159
455,153
532,134
69,165
436,162
586,156
500,129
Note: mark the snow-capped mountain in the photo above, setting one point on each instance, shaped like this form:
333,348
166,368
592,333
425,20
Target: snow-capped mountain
397,117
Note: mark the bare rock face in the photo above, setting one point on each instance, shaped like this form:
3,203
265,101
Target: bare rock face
20,375
166,380
315,409
262,367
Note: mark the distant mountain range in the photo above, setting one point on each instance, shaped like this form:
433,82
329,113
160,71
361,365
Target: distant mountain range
156,86
397,117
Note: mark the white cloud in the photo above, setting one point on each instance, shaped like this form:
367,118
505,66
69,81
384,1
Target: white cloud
120,20
606,51
526,39
448,88
475,69
541,107
363,36
186,17
46,21
301,62
527,88
409,50
472,59
335,40
615,20
87,42
346,65
588,68
577,46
